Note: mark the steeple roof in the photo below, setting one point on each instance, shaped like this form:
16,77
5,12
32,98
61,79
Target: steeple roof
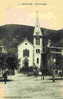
37,30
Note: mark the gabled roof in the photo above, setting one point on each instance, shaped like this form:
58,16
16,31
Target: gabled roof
25,41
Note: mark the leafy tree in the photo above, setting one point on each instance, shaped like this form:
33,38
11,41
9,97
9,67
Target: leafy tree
12,63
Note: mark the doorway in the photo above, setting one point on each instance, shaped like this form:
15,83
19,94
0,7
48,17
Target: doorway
26,64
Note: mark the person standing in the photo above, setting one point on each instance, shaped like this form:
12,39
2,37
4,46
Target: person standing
5,76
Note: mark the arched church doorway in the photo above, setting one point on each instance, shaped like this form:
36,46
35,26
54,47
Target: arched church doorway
26,64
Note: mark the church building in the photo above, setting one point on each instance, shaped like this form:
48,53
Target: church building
30,53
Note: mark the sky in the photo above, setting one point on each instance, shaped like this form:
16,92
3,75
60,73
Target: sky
24,12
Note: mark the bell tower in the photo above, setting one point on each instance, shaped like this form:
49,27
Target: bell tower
37,42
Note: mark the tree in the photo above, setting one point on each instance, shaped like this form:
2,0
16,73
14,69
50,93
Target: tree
12,63
2,63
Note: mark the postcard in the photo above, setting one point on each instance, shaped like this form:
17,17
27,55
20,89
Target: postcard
31,49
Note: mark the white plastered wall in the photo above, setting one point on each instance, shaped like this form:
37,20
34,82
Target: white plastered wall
22,47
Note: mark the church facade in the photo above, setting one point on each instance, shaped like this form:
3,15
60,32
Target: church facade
30,53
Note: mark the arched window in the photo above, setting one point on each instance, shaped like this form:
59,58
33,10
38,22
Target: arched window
26,53
37,60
